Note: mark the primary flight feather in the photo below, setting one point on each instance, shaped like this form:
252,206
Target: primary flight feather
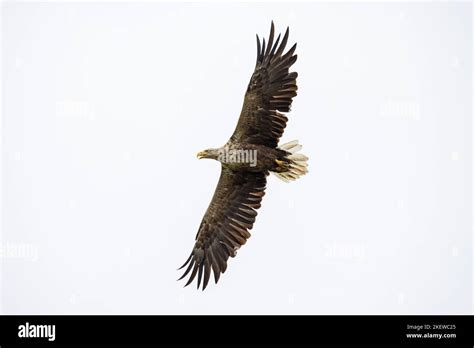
251,153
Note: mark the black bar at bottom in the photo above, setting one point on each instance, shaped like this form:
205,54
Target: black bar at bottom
416,330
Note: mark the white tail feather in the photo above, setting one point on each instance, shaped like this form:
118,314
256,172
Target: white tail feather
299,162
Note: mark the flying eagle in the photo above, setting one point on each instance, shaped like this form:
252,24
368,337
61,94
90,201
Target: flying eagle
246,159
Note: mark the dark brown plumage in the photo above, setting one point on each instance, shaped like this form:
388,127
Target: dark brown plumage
233,208
271,89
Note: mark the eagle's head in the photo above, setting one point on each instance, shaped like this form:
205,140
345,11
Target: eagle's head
209,153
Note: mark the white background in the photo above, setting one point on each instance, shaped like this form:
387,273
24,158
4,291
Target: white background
106,104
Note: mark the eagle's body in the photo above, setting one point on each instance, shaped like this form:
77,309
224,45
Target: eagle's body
251,153
266,157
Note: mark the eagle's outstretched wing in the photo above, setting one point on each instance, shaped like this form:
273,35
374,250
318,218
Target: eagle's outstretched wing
226,224
232,211
270,90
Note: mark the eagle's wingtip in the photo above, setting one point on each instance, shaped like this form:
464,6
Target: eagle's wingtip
187,261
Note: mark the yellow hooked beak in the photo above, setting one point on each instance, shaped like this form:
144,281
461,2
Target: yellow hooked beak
201,154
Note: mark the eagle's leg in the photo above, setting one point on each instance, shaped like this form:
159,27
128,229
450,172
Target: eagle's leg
293,164
282,166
